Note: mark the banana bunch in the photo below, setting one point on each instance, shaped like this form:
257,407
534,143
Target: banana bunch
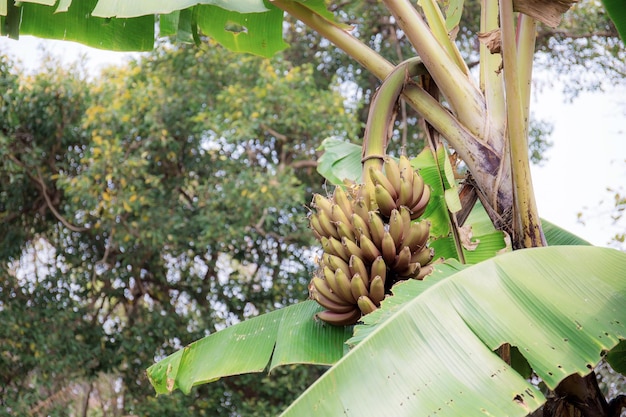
370,241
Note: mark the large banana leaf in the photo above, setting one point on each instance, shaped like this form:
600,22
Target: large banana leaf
562,307
286,336
251,26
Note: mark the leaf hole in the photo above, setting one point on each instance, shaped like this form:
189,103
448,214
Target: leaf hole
235,27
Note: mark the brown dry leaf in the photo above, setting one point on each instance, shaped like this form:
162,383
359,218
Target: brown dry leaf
545,11
492,40
465,233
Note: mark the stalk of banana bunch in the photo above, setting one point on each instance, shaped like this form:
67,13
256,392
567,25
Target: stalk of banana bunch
370,232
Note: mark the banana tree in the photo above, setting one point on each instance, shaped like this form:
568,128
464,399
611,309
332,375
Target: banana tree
550,314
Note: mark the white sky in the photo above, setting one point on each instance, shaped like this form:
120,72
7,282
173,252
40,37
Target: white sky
588,156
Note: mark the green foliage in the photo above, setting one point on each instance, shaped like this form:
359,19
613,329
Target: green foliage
162,220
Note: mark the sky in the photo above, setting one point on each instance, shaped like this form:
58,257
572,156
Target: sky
588,155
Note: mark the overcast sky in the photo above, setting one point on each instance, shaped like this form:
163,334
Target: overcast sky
588,156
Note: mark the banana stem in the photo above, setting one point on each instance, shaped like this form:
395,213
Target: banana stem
526,37
465,99
381,112
527,225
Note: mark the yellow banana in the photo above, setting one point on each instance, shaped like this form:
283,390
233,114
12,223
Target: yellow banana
344,290
377,227
392,172
357,287
405,193
388,249
324,290
369,249
360,226
396,227
360,208
418,235
351,248
321,203
377,290
379,268
418,209
405,215
335,263
331,281
331,305
336,248
342,200
316,226
385,201
418,188
380,179
340,319
337,214
366,305
357,266
404,164
327,226
345,230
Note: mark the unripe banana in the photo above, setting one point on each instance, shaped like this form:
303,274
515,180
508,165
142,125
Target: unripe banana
380,179
345,230
405,193
404,164
377,290
327,226
357,266
410,271
344,290
418,188
337,214
324,290
360,208
360,225
369,249
367,194
352,248
331,280
377,227
357,287
316,226
402,260
331,305
379,268
405,215
392,172
423,256
427,270
388,249
420,207
366,305
334,247
385,201
396,227
418,235
340,319
335,263
321,203
341,198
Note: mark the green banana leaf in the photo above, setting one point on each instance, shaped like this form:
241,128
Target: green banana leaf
617,12
130,25
286,336
561,306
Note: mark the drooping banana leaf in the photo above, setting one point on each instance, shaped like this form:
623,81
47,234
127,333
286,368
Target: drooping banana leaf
286,336
250,26
561,306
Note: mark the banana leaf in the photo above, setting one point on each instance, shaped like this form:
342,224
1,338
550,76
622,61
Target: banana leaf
562,307
286,336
